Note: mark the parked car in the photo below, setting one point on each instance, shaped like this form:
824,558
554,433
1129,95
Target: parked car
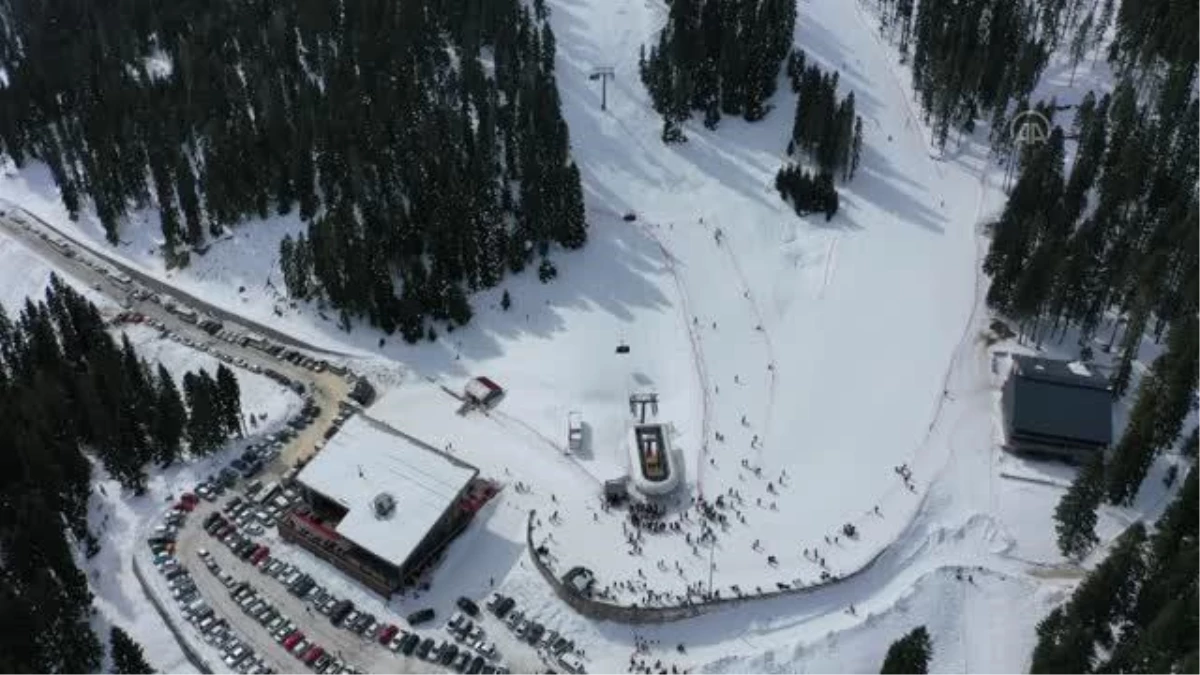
340,612
421,616
314,652
467,605
292,639
424,648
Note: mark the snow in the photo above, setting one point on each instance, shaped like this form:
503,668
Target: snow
872,354
1079,369
27,275
363,461
158,65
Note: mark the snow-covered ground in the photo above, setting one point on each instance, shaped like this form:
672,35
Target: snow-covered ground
850,347
25,274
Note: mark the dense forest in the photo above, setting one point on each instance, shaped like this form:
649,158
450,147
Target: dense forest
422,141
1114,233
66,387
717,57
973,58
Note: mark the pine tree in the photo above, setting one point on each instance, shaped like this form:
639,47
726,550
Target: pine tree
205,426
126,654
856,147
170,418
1075,515
1062,647
229,398
909,654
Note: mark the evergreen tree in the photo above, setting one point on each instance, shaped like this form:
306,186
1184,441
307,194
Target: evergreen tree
1075,516
205,425
909,654
126,654
229,399
169,419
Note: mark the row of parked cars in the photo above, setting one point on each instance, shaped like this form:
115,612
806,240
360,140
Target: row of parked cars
247,466
235,652
554,647
216,631
472,657
469,652
220,526
345,410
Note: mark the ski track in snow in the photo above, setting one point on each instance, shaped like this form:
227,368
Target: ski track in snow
765,330
830,266
698,362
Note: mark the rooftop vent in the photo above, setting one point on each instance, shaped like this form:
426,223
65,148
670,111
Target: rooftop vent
384,505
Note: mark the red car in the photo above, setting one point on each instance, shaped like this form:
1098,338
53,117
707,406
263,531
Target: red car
185,506
389,631
312,654
259,553
291,640
189,498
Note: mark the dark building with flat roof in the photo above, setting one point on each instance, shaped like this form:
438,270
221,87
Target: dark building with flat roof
1057,409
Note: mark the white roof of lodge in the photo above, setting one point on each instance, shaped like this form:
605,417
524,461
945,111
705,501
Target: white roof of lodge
363,460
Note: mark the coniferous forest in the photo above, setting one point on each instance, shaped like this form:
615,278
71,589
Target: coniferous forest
66,388
717,57
422,141
1114,232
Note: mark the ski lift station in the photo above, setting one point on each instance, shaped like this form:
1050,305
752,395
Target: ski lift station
653,466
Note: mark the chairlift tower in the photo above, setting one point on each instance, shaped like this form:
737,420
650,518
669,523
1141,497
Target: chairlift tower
604,74
638,404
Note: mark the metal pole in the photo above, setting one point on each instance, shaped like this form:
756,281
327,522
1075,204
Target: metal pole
603,73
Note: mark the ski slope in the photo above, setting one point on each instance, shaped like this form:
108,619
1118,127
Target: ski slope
849,347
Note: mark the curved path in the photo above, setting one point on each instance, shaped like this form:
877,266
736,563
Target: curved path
153,284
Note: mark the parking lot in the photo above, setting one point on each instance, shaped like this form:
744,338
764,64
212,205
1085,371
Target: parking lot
349,650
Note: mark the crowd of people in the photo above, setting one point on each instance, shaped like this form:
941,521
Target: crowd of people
705,524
